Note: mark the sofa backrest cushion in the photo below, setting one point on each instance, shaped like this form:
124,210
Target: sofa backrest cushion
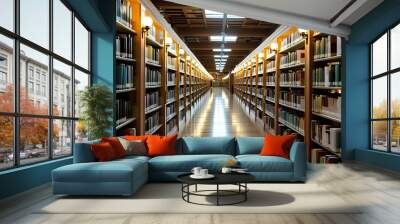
249,145
206,145
83,152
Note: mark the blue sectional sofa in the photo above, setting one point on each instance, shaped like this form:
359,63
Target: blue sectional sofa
125,176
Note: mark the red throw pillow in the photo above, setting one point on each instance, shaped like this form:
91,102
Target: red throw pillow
136,138
161,145
277,145
103,152
116,145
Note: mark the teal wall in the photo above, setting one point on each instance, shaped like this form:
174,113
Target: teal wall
98,15
356,86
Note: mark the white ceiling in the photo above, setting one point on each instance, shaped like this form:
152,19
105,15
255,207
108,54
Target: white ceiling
316,15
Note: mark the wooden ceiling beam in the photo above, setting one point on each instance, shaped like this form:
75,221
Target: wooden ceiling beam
242,32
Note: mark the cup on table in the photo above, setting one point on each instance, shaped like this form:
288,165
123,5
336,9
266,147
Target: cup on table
196,171
226,170
203,172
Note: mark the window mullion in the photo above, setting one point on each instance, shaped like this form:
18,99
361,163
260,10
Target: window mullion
389,100
16,69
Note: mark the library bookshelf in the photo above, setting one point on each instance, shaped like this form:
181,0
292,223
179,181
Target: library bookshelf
157,85
293,85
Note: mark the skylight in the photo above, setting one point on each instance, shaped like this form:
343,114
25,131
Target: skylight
219,15
227,38
224,50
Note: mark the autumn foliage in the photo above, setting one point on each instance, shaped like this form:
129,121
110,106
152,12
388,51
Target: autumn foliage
33,131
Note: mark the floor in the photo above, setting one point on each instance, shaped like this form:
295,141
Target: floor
220,115
379,191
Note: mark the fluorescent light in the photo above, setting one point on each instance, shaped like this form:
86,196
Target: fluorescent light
227,38
219,15
224,50
220,59
221,56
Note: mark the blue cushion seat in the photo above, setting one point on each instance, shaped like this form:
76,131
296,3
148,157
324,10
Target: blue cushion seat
257,163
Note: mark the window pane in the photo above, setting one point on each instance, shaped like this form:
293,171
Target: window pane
379,97
7,14
395,47
81,45
35,21
33,139
395,138
6,74
6,142
395,95
81,131
62,138
81,82
379,135
379,55
62,89
62,29
34,96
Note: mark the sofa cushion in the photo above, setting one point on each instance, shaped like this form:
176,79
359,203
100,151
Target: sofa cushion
206,145
275,145
257,163
161,145
249,145
103,152
185,163
112,171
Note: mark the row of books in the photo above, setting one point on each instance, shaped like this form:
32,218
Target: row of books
182,79
260,68
154,35
170,109
292,120
124,45
269,124
270,93
125,77
151,100
152,77
292,78
270,53
152,54
330,106
171,126
293,58
152,121
260,80
270,66
292,99
124,110
327,76
328,46
290,40
181,66
181,91
171,62
326,135
171,94
319,155
171,77
124,12
271,79
269,107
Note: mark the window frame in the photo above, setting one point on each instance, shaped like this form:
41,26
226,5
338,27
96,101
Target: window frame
16,114
388,74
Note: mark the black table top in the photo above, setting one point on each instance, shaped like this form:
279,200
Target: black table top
220,178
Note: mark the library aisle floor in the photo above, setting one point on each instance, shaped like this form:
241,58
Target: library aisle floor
220,115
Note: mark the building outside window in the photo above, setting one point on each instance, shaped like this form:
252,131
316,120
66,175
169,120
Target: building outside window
385,94
57,129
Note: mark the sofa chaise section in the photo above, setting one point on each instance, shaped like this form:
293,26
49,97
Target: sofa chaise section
87,177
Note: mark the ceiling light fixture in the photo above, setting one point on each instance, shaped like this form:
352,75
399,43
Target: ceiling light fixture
227,38
222,50
221,56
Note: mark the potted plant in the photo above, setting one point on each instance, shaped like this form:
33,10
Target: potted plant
96,104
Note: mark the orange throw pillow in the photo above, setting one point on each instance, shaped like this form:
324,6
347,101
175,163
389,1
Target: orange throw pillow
136,138
277,145
161,145
116,145
103,152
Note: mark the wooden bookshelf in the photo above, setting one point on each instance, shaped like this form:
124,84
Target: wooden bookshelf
296,89
165,71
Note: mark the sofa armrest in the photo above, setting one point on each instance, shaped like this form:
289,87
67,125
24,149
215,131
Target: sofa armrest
83,152
298,157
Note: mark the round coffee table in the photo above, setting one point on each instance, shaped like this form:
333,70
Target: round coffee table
238,179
